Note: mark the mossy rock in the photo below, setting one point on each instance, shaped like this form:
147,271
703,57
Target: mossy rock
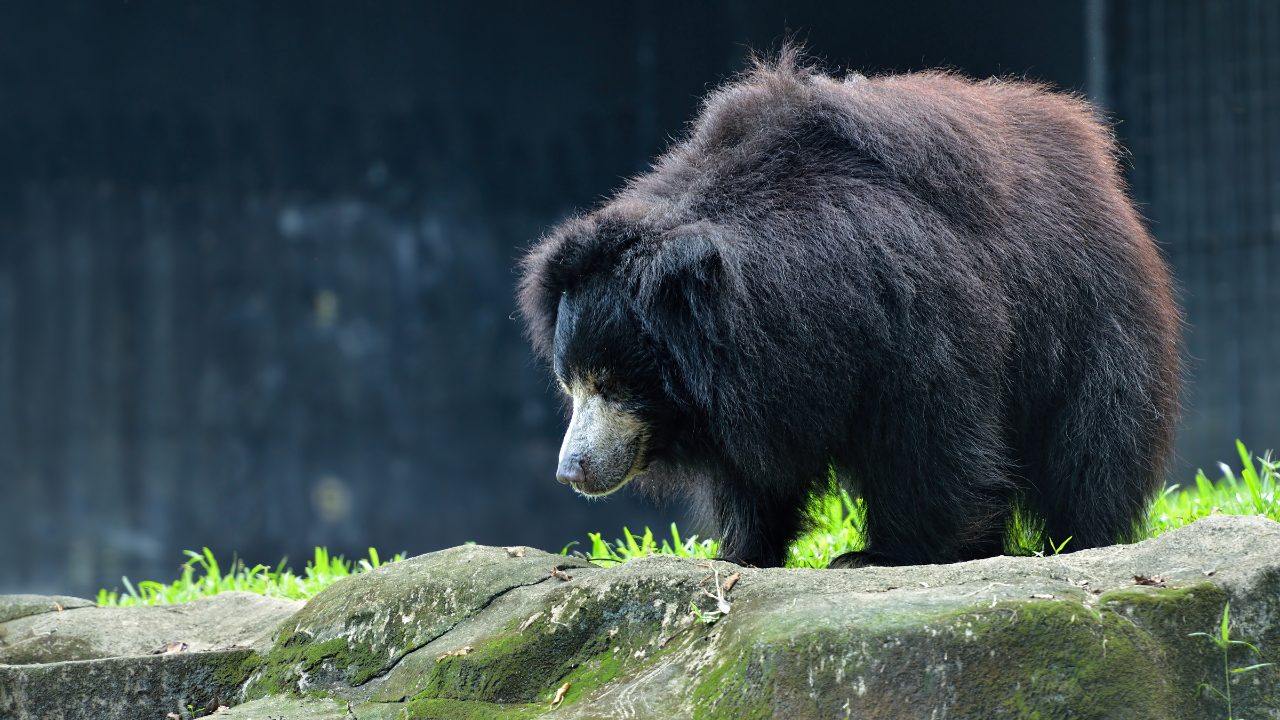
478,632
1074,635
359,627
125,688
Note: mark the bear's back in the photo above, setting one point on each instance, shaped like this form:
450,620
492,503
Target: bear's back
984,154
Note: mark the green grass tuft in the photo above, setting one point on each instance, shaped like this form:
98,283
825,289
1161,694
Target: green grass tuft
201,576
1255,492
606,554
836,521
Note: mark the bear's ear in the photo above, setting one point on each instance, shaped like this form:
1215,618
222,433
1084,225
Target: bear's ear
686,298
554,264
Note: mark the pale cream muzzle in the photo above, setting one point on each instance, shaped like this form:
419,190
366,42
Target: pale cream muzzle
604,446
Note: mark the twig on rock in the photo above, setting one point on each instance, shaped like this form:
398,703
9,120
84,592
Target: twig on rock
721,604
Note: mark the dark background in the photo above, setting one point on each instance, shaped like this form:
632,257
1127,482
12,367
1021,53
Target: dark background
256,259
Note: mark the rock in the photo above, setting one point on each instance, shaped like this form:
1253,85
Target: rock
98,663
360,627
292,708
1070,635
124,688
13,607
227,619
477,632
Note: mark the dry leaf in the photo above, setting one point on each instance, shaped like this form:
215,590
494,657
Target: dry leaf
171,648
729,582
1153,581
559,698
560,574
516,551
456,653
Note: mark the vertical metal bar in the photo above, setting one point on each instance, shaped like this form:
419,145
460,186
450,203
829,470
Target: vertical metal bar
1095,40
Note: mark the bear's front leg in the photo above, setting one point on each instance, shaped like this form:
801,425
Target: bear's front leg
757,523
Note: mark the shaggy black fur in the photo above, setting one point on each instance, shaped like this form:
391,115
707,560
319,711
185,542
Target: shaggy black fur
937,287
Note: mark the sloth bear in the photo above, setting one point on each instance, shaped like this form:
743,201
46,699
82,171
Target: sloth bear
934,289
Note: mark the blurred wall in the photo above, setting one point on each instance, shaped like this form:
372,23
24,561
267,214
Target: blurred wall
256,259
1196,86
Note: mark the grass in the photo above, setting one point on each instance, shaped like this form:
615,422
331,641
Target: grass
1224,642
1255,492
837,528
201,576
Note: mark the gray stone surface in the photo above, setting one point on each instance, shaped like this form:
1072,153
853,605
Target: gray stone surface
367,622
1067,636
292,708
228,619
13,607
479,632
123,688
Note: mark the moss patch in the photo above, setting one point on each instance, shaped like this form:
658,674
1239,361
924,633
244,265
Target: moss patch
235,669
1057,659
735,689
1171,615
359,627
1037,659
583,639
295,662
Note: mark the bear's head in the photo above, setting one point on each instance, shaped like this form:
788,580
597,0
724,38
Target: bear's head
625,311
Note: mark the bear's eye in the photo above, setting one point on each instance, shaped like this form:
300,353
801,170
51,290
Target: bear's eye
609,388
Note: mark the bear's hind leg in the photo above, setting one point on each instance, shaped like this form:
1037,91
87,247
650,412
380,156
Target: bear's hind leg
934,505
1101,467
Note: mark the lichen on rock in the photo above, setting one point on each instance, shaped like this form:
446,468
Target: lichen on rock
359,627
477,632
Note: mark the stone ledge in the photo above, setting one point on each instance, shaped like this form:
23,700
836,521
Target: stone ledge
88,632
479,632
124,688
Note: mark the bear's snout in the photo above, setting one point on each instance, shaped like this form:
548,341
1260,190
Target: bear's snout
603,447
570,470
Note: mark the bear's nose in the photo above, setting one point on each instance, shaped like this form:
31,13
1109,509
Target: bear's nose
570,470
